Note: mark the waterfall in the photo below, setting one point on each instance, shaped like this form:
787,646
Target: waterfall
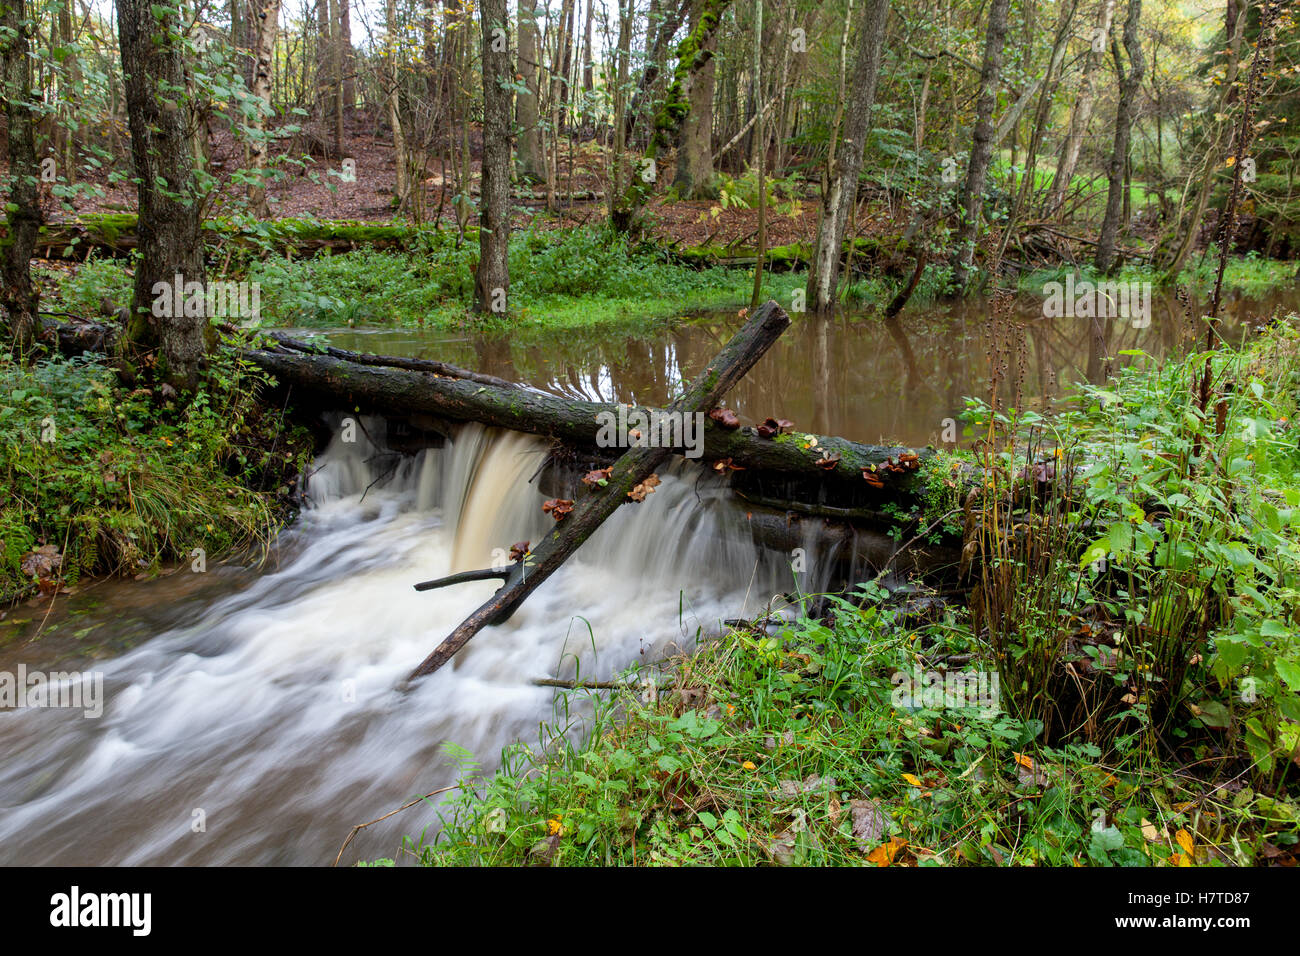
263,713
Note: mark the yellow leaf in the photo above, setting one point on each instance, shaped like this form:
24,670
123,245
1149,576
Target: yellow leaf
1024,761
1149,831
913,780
1186,842
884,854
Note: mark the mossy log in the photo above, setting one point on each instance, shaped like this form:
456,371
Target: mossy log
821,474
115,234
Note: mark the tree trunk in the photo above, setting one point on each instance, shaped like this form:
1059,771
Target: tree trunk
760,137
324,59
694,178
1189,226
981,154
349,82
268,18
19,297
491,278
171,251
1080,115
841,196
393,80
532,158
1129,87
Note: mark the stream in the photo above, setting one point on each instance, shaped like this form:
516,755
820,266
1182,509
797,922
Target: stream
255,714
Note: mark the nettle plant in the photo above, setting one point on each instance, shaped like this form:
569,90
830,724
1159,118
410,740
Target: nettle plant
1140,557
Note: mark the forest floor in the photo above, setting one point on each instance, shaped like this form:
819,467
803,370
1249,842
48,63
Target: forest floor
312,187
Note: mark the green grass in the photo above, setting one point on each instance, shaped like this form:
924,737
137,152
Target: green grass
576,279
1250,275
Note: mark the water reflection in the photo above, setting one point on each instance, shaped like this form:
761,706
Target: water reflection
852,374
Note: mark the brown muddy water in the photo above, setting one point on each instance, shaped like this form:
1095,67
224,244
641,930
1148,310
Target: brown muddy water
255,714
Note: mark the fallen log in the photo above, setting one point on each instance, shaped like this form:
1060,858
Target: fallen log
824,473
116,234
631,470
784,472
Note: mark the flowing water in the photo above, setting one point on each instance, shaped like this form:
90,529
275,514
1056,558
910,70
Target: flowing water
268,706
254,715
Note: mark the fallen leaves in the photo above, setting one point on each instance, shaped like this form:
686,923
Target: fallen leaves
646,487
1187,844
869,822
557,508
42,565
42,562
886,853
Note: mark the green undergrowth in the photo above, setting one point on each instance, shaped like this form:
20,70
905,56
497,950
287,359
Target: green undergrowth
579,278
101,478
1250,274
1120,687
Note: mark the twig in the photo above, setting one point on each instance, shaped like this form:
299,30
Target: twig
361,826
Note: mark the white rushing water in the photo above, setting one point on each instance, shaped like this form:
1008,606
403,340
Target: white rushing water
275,714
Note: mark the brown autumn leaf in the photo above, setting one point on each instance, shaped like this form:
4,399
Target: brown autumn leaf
725,418
869,822
597,477
646,487
557,508
518,550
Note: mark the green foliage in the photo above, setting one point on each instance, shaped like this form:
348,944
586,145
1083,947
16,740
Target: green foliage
120,482
558,278
795,748
93,282
1160,579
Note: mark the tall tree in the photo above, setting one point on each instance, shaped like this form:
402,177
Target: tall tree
349,68
532,157
19,298
492,277
694,176
1130,84
171,249
268,18
1219,140
392,99
982,141
1081,113
842,192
